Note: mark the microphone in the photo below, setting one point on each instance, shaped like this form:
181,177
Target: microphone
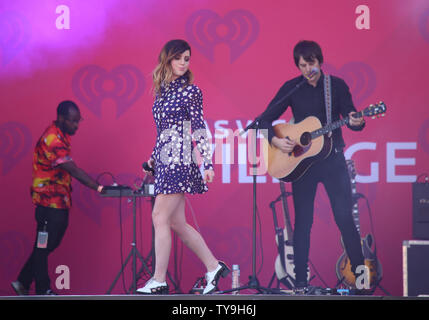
145,166
313,71
148,186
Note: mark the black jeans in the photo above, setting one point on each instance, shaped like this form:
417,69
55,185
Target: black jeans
332,172
36,267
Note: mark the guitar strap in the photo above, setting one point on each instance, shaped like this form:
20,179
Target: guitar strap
328,99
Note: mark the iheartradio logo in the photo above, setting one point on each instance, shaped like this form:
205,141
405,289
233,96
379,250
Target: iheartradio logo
124,85
14,248
359,76
238,29
15,34
15,143
424,136
423,25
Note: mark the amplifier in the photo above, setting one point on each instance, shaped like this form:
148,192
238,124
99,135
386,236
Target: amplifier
421,210
415,264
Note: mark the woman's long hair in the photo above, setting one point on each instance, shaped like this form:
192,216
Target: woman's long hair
163,73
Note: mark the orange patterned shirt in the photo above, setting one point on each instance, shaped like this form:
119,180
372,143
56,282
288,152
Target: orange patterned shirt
51,185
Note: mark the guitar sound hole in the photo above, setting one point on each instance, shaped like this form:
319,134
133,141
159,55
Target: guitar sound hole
305,138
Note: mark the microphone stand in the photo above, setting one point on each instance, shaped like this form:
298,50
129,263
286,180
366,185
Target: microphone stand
253,280
255,123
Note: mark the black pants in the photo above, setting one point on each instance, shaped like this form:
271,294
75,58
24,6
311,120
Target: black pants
332,172
36,267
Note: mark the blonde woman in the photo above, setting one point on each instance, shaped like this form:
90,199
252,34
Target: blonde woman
178,116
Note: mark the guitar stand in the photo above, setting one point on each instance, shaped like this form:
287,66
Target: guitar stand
288,280
377,284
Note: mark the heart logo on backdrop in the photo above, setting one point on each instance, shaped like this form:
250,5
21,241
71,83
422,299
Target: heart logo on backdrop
14,249
423,137
359,76
238,29
15,143
423,25
124,85
15,34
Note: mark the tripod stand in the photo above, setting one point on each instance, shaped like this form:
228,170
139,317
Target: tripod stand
134,253
253,280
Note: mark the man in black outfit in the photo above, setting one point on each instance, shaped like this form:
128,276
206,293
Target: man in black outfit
309,100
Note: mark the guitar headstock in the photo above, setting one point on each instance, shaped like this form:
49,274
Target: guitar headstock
375,110
351,168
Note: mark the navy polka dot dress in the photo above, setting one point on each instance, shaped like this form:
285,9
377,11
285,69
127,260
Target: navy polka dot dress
178,115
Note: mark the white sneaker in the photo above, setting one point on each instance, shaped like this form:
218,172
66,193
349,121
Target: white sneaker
213,277
154,287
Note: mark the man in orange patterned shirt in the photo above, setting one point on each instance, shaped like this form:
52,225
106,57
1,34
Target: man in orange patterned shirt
53,169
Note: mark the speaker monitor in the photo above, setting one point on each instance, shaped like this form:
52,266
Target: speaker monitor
421,210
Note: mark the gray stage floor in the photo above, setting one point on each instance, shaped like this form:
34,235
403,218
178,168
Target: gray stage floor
214,297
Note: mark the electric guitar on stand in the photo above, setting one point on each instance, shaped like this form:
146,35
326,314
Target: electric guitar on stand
343,267
284,265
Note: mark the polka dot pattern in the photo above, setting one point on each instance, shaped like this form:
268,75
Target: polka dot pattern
178,115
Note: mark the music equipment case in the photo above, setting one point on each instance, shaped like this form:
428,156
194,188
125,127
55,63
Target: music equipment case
415,259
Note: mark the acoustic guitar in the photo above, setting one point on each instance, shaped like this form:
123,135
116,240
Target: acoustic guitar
343,267
314,143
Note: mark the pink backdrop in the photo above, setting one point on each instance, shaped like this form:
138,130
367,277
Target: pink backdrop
101,54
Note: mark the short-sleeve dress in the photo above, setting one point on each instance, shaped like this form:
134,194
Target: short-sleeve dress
178,115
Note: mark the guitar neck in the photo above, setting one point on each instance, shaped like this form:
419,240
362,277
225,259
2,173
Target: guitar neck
355,210
288,224
332,126
352,175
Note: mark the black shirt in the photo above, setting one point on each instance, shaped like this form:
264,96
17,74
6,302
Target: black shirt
310,101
